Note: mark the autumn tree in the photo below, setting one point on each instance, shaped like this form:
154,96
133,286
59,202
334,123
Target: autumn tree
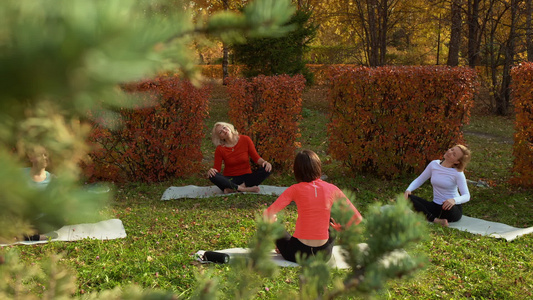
456,29
372,21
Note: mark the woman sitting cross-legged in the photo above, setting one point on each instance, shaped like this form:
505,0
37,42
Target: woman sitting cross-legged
37,177
447,178
314,199
235,151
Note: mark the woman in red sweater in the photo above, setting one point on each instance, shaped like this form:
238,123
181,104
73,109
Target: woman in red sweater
235,151
313,198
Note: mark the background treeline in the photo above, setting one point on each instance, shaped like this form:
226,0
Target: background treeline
492,35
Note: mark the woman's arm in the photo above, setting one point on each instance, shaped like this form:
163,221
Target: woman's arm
265,164
218,159
283,200
252,152
217,166
356,218
419,180
463,189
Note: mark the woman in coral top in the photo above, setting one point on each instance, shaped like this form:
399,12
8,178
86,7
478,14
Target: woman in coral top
235,151
313,198
450,189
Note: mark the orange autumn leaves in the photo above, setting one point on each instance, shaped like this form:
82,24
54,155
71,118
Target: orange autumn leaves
391,120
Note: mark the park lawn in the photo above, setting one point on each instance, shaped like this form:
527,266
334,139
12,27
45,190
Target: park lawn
163,235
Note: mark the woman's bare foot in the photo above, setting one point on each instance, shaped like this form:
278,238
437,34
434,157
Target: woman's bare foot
277,251
229,191
252,189
442,222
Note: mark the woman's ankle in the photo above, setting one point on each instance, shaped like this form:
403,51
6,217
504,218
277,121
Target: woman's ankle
443,222
251,189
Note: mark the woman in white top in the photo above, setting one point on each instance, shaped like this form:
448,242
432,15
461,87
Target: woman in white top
450,189
38,178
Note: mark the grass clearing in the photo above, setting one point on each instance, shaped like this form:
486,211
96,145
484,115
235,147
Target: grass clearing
162,235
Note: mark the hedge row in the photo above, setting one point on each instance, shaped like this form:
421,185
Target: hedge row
392,120
155,142
268,108
386,121
523,138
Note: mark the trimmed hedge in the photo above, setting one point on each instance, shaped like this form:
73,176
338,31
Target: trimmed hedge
268,108
393,120
156,141
522,85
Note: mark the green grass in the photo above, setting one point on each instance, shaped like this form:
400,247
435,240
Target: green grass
163,235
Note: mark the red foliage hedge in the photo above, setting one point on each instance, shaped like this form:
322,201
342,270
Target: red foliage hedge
392,120
268,108
523,138
158,140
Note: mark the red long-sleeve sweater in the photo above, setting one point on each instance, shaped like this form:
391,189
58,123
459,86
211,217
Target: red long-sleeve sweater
236,159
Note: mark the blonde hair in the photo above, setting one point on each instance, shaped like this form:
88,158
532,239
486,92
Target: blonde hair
465,159
214,134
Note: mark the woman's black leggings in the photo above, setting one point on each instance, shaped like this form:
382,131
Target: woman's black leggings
232,182
288,246
433,210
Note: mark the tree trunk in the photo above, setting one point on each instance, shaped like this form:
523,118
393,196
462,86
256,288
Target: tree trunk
455,37
373,33
504,98
438,41
473,32
225,52
529,30
384,17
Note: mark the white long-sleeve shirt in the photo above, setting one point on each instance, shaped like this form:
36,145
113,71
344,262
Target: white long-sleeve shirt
445,182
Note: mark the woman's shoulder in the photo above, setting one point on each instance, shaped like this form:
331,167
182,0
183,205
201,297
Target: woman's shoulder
436,163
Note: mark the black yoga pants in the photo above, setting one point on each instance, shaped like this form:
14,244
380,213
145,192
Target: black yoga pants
433,210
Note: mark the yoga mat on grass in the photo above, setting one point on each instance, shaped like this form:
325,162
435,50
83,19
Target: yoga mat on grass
487,228
336,261
103,230
193,191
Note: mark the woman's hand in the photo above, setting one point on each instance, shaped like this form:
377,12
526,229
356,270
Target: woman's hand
335,225
269,218
212,172
406,194
448,204
267,166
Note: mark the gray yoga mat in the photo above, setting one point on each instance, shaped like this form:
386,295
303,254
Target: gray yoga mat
103,230
336,261
488,228
193,191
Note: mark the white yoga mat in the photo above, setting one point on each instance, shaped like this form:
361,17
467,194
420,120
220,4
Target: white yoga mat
487,228
193,191
336,260
103,230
